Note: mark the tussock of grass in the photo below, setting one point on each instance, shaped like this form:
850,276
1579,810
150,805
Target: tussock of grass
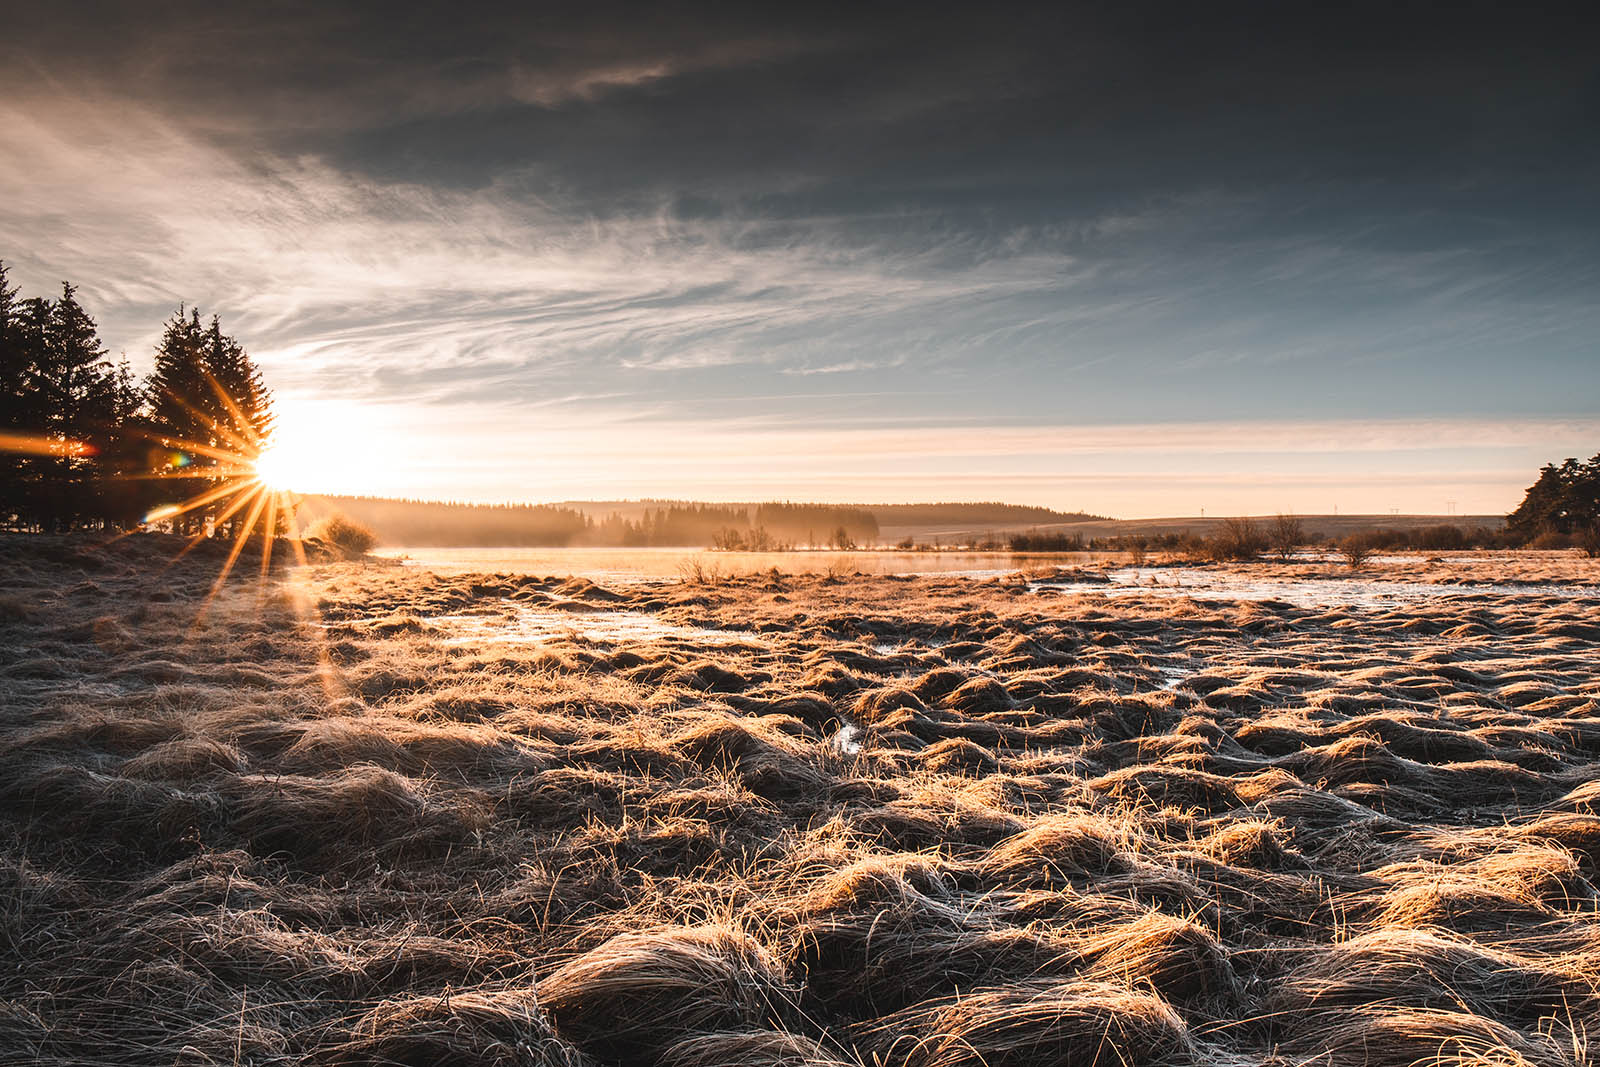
1029,1023
751,1048
501,1029
638,994
341,815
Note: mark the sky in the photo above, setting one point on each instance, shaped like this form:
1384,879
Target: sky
1134,259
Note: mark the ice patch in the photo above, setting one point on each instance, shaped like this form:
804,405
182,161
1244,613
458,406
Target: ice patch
1305,592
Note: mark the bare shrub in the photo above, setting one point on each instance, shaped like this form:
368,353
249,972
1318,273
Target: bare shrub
1239,539
1356,549
695,570
842,567
343,533
1552,540
1286,535
1589,540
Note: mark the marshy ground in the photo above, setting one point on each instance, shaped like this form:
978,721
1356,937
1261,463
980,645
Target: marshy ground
364,814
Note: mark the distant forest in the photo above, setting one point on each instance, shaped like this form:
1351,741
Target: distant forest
663,523
757,527
992,513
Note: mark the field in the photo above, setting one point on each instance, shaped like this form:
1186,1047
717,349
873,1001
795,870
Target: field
365,814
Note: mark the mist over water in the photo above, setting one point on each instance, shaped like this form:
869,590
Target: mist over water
634,564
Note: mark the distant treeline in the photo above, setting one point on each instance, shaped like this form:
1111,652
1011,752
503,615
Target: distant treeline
85,445
1445,538
766,526
430,523
972,515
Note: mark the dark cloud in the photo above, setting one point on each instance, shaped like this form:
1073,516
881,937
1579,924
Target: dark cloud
917,102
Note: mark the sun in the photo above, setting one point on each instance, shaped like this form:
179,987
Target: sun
277,468
324,450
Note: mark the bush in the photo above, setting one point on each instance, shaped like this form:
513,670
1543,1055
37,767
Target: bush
1551,539
1055,541
345,534
1439,539
1286,535
1239,539
1356,549
1589,541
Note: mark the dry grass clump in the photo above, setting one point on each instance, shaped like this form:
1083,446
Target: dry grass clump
826,821
1388,1036
1424,969
640,993
1057,851
185,759
752,1048
767,762
341,816
1028,1023
497,1029
343,535
862,964
1178,958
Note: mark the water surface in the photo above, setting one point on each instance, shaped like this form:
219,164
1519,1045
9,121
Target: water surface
635,564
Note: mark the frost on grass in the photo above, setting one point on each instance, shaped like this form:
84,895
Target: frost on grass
366,815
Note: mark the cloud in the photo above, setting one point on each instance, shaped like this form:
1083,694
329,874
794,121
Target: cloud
996,237
330,273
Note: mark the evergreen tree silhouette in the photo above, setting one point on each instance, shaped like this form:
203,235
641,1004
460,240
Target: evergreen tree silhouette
79,383
15,397
177,394
206,396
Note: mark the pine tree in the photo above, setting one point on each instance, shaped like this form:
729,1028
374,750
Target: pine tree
80,382
14,398
124,494
79,435
1564,500
207,401
249,417
176,394
29,331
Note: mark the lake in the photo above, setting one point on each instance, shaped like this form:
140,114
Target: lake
634,564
